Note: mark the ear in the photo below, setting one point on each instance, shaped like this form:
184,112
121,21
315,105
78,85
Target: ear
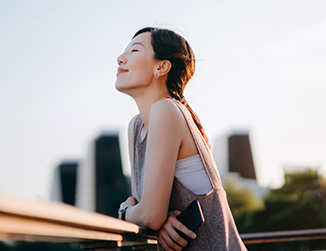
164,67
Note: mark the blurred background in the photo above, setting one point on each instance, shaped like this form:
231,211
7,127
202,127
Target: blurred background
260,77
261,66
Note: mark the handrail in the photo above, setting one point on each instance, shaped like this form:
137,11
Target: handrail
56,222
65,214
281,236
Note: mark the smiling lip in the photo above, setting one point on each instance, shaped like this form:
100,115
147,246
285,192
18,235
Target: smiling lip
121,70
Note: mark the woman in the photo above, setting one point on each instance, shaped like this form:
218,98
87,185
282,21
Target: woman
169,152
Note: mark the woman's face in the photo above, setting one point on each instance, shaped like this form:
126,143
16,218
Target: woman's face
136,65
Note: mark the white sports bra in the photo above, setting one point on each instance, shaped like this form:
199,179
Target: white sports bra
191,173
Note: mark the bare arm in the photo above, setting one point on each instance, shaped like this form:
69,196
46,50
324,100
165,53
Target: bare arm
163,143
131,153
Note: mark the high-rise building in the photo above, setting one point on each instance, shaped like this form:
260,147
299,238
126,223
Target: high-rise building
101,184
233,156
64,182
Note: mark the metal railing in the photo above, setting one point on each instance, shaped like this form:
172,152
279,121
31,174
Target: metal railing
284,236
55,222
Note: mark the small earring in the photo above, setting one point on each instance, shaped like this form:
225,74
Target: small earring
156,75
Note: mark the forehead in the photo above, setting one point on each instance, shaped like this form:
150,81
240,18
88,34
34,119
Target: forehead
144,39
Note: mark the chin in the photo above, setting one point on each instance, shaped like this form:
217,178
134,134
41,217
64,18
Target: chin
119,86
122,88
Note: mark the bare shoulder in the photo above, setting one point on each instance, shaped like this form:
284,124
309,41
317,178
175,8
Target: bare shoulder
166,109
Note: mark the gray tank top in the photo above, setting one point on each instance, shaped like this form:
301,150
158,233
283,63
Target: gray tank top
219,231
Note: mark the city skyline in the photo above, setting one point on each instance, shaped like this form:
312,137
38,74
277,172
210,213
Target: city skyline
261,66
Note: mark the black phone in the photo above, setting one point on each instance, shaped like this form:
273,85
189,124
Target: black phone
192,217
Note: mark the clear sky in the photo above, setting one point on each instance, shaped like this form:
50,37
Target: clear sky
261,65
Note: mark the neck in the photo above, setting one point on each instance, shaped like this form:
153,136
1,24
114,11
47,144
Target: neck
145,102
145,97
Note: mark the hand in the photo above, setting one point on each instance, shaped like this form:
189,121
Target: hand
131,201
169,238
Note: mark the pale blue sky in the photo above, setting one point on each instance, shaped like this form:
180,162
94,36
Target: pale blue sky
261,65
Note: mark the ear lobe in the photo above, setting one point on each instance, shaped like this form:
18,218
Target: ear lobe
164,67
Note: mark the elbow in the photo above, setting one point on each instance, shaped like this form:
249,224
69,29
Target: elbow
149,216
146,216
154,222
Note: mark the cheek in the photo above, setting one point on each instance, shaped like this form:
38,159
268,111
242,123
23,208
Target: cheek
140,74
144,63
133,79
142,70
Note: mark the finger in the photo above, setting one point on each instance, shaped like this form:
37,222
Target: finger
170,229
164,245
177,238
168,243
170,237
182,228
175,213
172,245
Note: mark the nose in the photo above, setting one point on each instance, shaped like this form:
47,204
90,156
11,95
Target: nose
121,59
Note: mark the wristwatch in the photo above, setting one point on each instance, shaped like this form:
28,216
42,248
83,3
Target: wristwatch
122,212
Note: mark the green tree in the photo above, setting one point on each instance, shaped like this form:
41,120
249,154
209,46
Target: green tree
298,204
243,203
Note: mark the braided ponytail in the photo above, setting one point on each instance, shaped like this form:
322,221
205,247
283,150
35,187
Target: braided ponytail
195,118
170,46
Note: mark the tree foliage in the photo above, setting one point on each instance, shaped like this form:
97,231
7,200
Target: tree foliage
243,203
299,204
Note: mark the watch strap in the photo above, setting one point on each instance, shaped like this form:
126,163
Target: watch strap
122,212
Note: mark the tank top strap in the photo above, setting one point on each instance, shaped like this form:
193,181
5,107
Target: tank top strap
138,125
202,147
139,151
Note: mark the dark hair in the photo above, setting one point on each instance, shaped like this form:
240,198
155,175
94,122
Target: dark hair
168,45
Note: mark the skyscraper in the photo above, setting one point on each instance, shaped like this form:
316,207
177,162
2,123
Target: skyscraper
233,156
101,183
64,182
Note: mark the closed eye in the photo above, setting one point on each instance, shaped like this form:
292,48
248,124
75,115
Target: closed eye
134,50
